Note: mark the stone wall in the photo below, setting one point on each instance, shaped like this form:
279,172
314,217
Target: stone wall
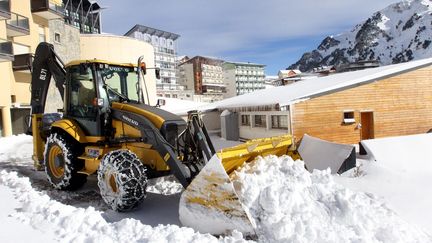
67,48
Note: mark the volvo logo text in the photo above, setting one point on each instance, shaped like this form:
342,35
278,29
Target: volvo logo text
130,120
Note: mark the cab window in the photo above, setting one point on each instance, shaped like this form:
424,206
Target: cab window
121,83
82,93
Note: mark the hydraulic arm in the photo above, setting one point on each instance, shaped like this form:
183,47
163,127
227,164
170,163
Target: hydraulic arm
46,64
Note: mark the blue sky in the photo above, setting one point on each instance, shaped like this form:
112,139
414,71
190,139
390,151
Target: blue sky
271,32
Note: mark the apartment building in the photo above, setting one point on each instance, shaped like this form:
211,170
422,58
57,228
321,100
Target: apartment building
204,76
165,53
23,24
243,77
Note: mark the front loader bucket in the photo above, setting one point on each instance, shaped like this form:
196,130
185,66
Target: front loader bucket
210,203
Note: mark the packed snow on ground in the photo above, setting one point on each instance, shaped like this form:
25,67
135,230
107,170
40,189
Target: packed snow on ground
33,215
286,202
400,172
72,224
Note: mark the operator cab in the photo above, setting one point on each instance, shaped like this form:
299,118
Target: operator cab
92,86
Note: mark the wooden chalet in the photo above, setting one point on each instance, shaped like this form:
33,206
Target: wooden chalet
345,108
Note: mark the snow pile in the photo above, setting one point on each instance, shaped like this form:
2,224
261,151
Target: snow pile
164,185
16,148
400,178
290,204
71,224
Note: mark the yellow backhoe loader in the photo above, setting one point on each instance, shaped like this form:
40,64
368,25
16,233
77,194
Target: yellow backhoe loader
106,128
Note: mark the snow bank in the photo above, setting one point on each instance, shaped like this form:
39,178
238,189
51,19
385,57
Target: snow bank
289,204
16,148
164,185
400,175
71,224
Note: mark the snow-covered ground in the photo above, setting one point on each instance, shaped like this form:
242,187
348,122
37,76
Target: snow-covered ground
287,203
400,172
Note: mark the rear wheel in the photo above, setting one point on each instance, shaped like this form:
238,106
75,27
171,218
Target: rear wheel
62,164
122,180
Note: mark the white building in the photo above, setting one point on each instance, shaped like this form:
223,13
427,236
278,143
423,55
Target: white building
165,52
243,78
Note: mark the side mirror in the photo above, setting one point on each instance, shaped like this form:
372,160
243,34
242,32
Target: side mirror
157,73
160,102
143,67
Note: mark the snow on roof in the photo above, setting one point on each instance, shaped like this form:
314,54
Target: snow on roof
286,95
180,107
286,71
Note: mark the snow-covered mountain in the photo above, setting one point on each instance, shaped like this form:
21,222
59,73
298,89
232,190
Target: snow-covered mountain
399,33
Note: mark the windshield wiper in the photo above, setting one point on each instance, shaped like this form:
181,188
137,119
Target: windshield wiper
124,97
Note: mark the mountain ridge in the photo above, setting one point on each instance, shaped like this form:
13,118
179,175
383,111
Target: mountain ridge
399,33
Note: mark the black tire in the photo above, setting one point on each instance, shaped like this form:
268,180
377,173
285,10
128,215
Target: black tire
62,164
122,180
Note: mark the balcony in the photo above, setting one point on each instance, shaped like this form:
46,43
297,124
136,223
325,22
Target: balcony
17,25
22,63
5,9
6,51
47,9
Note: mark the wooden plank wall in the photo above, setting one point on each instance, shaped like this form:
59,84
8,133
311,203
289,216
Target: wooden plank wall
402,105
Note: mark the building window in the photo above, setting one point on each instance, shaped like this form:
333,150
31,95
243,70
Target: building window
260,121
57,37
245,120
279,121
348,117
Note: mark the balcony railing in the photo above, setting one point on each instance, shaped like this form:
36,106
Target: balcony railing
47,9
5,9
22,63
17,25
6,51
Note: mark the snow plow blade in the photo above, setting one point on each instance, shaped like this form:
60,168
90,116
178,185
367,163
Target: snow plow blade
210,203
320,154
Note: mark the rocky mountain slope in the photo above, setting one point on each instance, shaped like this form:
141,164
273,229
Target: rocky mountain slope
399,33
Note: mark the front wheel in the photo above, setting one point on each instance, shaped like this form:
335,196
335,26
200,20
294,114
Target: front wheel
122,180
62,164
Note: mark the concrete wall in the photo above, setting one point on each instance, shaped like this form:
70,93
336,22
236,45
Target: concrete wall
230,82
68,49
120,49
212,121
188,78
